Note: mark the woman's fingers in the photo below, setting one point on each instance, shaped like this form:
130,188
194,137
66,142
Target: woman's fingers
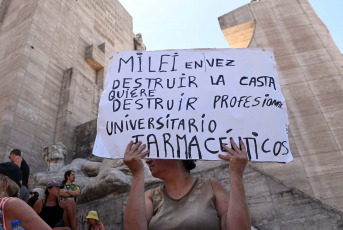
227,149
144,154
234,151
242,146
136,150
133,157
140,149
128,147
235,147
224,157
136,146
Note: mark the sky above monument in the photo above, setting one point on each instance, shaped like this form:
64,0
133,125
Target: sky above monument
188,24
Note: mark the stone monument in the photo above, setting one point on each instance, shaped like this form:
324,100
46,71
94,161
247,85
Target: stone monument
54,156
310,69
139,44
53,63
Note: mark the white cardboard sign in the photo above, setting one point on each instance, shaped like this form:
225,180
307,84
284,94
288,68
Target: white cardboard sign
185,104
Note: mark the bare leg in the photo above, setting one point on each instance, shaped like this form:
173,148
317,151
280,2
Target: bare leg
69,214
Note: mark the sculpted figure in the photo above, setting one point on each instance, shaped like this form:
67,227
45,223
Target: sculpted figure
97,179
54,156
139,45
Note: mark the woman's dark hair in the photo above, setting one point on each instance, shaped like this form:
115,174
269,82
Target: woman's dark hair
66,174
46,196
189,164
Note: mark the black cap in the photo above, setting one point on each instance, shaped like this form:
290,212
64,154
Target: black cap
12,171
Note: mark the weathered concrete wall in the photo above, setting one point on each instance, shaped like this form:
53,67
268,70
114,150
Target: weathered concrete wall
17,127
3,9
310,68
110,211
273,205
84,137
53,60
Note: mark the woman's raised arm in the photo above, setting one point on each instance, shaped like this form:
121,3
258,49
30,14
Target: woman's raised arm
238,216
135,212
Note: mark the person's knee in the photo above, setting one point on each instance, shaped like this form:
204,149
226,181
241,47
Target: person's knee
70,203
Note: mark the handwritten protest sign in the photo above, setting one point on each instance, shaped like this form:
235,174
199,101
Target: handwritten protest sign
185,104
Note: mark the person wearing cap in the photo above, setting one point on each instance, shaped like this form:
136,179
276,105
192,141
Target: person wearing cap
33,198
16,158
93,221
12,208
56,213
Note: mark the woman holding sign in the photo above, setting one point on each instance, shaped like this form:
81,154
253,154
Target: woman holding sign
184,202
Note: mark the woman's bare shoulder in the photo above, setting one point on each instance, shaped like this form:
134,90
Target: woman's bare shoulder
148,194
215,183
16,209
14,203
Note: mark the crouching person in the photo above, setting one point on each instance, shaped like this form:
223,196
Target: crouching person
59,215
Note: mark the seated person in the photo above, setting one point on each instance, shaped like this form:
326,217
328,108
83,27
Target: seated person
11,207
93,221
56,213
70,190
33,198
16,157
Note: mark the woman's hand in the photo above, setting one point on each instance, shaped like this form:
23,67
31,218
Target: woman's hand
133,157
237,157
134,216
237,216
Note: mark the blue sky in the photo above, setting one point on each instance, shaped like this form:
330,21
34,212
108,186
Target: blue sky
187,24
